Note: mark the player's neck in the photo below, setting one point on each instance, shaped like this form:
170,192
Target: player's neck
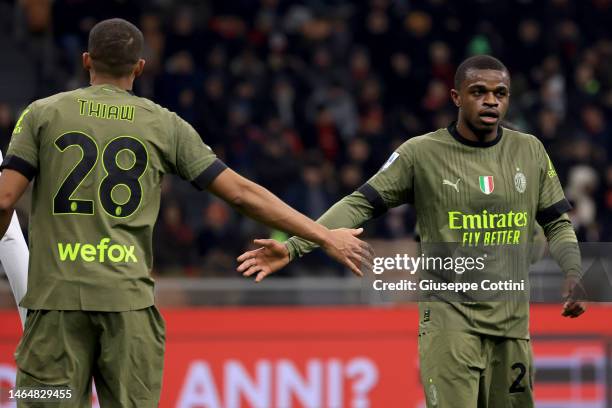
125,83
467,132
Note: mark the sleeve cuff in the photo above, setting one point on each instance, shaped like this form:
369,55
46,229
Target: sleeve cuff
20,165
373,198
293,253
553,212
208,175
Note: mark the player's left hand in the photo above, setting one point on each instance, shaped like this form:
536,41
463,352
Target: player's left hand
572,290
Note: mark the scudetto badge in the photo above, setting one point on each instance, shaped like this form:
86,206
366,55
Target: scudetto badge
486,184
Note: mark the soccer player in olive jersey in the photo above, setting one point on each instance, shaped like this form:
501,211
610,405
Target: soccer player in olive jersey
476,184
97,156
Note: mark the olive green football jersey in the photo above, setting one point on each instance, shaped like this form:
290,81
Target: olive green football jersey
97,156
484,196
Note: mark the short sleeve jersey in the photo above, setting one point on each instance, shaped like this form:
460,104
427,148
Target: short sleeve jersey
483,195
97,156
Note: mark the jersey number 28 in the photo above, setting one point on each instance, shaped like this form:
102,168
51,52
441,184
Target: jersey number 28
115,175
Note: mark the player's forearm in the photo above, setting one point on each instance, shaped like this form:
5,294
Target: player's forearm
350,212
563,246
263,206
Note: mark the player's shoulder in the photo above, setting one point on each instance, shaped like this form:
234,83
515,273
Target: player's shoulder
427,140
52,100
163,114
519,138
163,117
148,104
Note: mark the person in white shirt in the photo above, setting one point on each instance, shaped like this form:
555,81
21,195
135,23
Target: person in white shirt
14,256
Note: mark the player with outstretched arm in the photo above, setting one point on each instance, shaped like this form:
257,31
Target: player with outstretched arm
472,354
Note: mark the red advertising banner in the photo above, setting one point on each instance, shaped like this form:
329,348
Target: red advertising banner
292,358
342,357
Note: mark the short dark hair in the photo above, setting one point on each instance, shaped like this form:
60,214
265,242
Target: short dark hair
115,45
478,62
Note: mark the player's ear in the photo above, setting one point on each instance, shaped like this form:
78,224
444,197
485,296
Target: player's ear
139,67
455,97
86,61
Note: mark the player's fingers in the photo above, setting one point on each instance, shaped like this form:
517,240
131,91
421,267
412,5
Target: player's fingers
355,256
352,267
247,264
243,256
368,249
241,267
366,265
356,231
261,275
252,270
248,254
265,242
362,261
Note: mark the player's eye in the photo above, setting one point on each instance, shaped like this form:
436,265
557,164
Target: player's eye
501,94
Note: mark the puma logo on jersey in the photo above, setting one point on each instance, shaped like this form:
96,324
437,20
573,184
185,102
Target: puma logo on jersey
453,185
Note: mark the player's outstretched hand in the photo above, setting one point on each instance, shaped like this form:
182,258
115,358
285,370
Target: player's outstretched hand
263,261
349,250
344,246
572,291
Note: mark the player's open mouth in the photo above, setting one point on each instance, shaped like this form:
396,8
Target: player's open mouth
489,116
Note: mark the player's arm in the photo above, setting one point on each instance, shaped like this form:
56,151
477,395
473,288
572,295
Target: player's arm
351,211
390,187
564,249
562,241
190,158
260,204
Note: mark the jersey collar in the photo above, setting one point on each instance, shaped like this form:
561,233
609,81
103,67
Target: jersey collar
110,86
452,129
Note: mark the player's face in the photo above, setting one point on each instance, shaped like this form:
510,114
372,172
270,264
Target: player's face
483,98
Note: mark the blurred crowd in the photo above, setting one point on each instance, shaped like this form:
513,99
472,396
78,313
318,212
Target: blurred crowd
309,97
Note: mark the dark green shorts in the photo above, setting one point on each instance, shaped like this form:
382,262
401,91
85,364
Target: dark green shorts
462,370
122,351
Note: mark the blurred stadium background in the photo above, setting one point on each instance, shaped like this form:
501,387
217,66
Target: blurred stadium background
308,98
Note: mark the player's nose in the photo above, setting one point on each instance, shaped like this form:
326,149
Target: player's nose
490,99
